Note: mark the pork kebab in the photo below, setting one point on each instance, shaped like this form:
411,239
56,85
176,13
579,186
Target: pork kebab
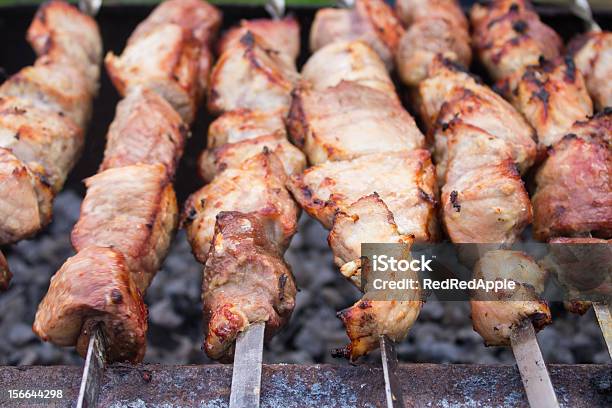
573,194
481,147
129,213
242,221
371,179
44,111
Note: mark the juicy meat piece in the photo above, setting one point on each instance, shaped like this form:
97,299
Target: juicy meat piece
5,274
199,18
366,220
348,121
243,124
61,30
92,287
169,54
487,204
146,130
574,190
46,142
165,59
258,187
372,21
26,199
54,86
495,314
509,36
592,53
133,210
436,27
251,75
404,181
552,96
367,320
231,155
282,35
349,61
245,281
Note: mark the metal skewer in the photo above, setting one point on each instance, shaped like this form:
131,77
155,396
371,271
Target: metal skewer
602,311
393,386
93,371
246,374
582,9
536,381
90,7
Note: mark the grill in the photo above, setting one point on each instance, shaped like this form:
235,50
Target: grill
283,385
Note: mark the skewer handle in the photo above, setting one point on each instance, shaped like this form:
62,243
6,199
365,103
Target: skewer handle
93,371
604,317
246,375
538,387
393,386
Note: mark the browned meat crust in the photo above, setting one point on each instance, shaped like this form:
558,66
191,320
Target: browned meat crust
43,111
592,53
495,315
146,130
574,193
257,186
243,124
168,53
282,35
246,281
436,27
372,21
5,274
251,75
350,120
509,36
552,95
94,286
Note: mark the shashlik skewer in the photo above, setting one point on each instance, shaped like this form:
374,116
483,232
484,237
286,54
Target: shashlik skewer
246,205
369,132
127,218
44,111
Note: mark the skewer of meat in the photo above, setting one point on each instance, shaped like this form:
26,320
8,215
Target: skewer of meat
44,110
242,221
129,213
372,181
525,56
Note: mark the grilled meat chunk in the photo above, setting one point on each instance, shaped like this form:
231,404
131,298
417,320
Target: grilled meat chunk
552,96
27,199
366,220
348,121
243,124
574,191
5,274
592,53
132,209
509,36
349,61
495,314
169,54
282,35
48,143
62,31
245,281
250,75
372,21
367,320
231,155
257,186
404,181
94,287
146,130
435,28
